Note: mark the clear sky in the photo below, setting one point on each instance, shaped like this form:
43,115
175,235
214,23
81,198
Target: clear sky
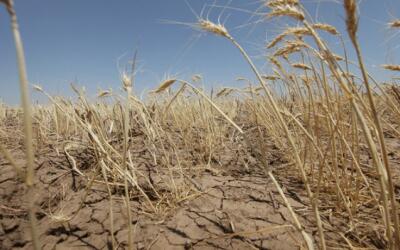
84,41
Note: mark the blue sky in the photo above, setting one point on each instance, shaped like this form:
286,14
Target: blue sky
84,41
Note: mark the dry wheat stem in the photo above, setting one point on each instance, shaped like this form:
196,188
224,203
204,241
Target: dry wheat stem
350,9
297,223
27,120
127,83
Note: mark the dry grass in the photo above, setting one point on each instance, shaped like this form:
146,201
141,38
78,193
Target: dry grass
336,132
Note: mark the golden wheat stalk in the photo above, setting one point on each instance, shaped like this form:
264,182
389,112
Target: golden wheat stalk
217,29
271,77
352,24
301,66
326,27
394,24
164,85
23,79
276,40
277,3
296,221
287,10
391,67
351,18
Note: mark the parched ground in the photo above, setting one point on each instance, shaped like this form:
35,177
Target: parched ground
227,212
229,206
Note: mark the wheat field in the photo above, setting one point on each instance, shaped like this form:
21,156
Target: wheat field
305,158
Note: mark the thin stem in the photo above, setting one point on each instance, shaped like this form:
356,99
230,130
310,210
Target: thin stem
23,81
297,224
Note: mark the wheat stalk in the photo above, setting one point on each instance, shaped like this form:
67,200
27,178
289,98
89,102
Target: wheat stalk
27,119
391,67
352,23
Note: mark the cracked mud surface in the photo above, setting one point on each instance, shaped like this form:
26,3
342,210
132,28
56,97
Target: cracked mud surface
230,212
230,206
226,209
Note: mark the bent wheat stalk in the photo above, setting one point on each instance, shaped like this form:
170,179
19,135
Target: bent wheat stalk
297,223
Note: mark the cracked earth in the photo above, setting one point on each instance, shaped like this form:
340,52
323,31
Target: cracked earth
228,212
225,209
232,205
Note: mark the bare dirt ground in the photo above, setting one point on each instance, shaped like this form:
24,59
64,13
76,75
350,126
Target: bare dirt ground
227,207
